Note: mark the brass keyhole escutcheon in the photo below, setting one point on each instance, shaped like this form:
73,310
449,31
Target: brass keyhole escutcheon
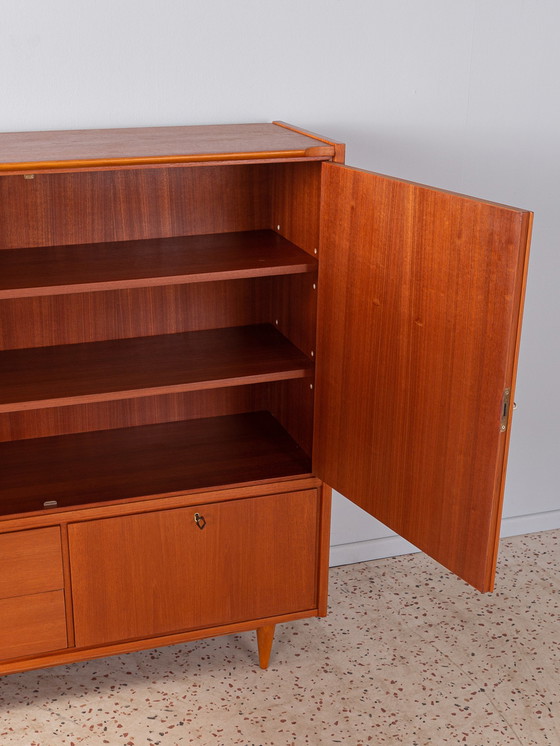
199,520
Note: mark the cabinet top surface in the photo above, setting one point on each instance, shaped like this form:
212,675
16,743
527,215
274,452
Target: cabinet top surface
139,146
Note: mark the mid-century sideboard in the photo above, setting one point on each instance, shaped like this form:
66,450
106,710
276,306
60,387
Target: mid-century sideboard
202,331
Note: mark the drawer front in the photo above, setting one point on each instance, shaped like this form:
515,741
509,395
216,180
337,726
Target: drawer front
32,624
31,562
157,573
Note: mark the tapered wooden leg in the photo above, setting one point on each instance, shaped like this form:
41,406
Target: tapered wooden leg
265,636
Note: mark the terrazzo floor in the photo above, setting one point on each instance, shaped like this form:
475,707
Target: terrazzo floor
408,655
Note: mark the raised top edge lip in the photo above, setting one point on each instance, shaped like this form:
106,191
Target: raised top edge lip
145,146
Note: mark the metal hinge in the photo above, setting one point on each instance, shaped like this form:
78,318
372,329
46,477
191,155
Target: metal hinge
505,409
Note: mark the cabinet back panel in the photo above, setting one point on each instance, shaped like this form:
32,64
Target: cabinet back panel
148,410
291,402
121,314
72,208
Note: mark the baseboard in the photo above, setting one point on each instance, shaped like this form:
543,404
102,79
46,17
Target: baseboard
528,524
363,551
393,545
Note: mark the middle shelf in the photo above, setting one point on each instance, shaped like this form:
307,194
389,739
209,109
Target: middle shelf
40,377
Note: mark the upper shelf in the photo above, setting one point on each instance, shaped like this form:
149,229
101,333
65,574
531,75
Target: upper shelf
61,270
153,146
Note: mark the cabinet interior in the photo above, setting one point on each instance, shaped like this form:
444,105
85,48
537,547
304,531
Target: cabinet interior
157,331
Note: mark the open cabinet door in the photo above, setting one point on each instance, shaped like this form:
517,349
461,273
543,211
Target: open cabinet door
420,296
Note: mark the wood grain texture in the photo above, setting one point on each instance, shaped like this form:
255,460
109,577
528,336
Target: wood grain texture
81,149
290,304
94,207
141,461
139,312
123,314
418,320
31,625
31,562
148,410
104,371
291,403
144,575
128,264
296,201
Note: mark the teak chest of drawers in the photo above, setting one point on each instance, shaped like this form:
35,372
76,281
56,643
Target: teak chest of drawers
200,329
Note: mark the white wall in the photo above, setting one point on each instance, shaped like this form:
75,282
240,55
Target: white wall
463,94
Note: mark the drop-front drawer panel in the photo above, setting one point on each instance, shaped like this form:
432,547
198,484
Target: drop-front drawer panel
162,572
32,624
31,562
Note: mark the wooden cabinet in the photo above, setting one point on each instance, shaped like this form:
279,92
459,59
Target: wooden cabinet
220,322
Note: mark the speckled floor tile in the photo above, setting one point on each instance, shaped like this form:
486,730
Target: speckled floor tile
408,655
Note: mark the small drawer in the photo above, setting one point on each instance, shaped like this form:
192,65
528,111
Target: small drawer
30,625
31,562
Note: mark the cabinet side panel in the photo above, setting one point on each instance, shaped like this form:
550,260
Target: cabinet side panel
290,304
72,208
418,322
291,403
296,202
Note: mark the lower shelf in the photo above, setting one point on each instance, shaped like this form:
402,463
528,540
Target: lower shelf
150,460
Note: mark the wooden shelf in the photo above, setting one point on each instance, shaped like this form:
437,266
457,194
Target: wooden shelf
152,460
127,368
62,270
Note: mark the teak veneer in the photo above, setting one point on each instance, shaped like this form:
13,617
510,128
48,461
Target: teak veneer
151,262
40,377
203,330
